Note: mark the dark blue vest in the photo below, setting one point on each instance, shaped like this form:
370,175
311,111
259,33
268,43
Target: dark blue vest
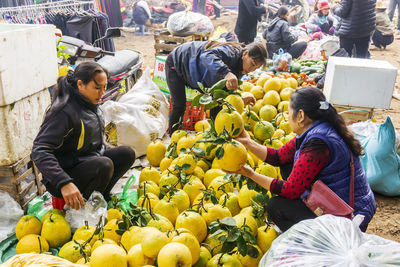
336,173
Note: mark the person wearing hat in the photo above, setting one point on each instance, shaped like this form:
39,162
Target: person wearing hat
322,20
329,47
384,32
357,24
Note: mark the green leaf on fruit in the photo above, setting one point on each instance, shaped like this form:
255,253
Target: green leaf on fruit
205,99
229,221
219,153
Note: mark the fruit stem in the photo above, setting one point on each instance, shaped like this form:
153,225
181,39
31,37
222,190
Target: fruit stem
40,245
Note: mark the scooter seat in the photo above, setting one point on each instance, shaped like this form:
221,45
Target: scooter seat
121,62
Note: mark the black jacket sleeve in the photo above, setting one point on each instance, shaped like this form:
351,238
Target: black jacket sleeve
343,9
51,137
287,36
254,9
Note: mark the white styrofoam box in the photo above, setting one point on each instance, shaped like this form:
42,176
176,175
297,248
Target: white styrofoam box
359,82
28,60
20,123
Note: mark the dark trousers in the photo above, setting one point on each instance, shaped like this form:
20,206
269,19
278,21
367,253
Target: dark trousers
245,39
361,46
380,40
99,173
296,49
217,11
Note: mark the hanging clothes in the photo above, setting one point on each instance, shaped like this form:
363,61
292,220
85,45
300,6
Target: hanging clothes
113,9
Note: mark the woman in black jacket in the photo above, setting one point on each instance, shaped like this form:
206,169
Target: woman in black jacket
69,149
357,25
278,36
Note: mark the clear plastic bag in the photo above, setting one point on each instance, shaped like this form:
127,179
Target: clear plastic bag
187,23
330,241
282,61
40,205
10,213
95,207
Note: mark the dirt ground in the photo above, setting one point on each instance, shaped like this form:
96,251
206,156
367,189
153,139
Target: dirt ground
386,222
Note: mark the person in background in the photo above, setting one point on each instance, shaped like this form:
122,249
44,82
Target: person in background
384,32
69,149
321,150
357,24
329,47
142,15
250,12
392,7
208,63
278,36
322,20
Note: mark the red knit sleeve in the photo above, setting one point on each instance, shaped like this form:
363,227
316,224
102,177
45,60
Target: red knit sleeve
283,155
310,162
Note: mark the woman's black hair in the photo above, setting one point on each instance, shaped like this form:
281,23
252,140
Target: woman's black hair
282,11
308,99
67,85
257,51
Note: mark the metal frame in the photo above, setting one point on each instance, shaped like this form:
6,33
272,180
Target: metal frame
44,6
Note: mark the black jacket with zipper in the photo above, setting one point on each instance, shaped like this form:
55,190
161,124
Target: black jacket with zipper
250,13
69,137
278,35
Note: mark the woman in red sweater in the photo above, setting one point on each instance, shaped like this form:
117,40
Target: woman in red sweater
321,150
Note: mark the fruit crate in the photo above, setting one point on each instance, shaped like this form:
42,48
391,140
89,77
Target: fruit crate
354,114
192,115
21,180
165,42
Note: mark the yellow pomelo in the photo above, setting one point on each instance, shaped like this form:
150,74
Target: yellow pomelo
134,236
168,209
224,260
32,243
230,121
72,251
154,241
286,138
284,125
256,108
235,155
280,117
56,231
148,187
86,232
293,83
63,70
149,174
278,133
231,201
266,234
242,218
273,84
160,223
110,231
248,261
155,152
109,256
198,172
185,142
193,188
284,84
209,154
84,261
211,174
198,198
268,113
103,241
246,86
201,126
169,179
148,201
194,222
213,244
113,214
274,143
187,163
267,170
250,118
28,224
164,164
221,186
245,196
213,212
286,93
136,258
236,101
283,106
205,257
203,165
263,130
257,92
174,254
271,98
191,242
54,212
177,135
216,164
263,79
181,200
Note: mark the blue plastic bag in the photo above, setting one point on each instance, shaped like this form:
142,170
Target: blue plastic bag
381,163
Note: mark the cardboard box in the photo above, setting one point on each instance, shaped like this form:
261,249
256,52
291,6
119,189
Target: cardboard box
359,82
28,61
354,114
20,123
160,79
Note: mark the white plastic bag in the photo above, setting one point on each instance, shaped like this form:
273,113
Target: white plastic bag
10,213
140,116
95,207
187,23
330,241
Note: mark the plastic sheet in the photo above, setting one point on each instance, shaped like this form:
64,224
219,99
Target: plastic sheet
330,241
40,205
10,213
95,207
187,23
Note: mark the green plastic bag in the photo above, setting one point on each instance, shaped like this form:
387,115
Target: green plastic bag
128,195
37,207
